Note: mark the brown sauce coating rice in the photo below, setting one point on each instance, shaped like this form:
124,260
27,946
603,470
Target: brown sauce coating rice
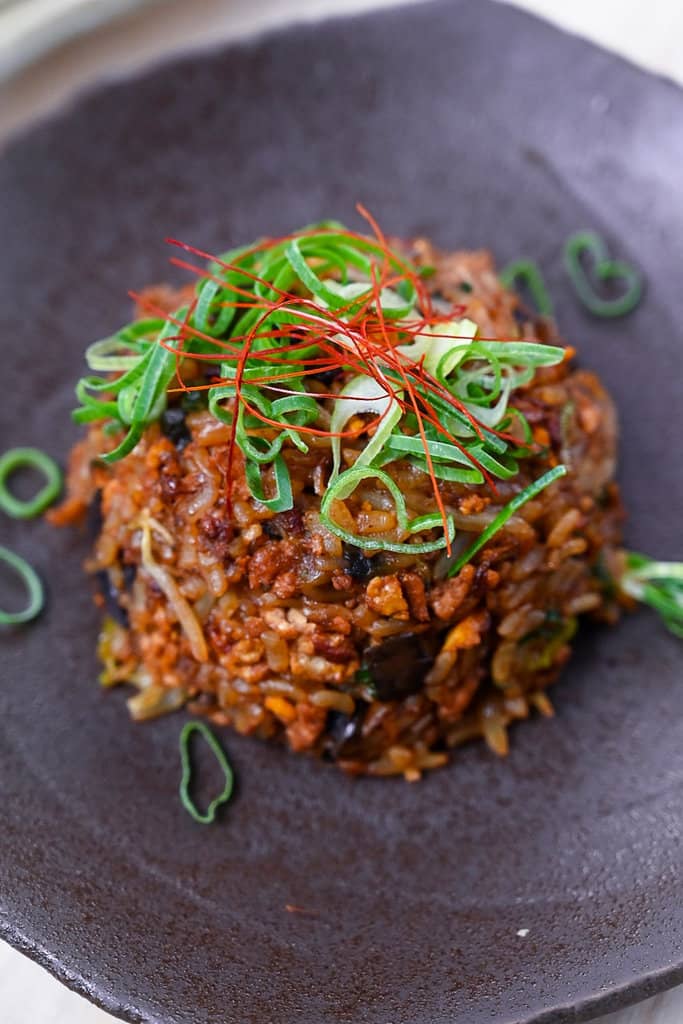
270,624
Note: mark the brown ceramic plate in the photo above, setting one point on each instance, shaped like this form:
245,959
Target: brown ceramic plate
543,887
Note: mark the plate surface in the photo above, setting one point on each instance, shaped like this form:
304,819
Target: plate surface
478,126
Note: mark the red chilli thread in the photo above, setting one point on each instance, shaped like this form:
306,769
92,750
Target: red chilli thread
368,350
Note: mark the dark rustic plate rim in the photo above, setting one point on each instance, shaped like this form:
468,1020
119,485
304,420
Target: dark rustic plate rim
642,986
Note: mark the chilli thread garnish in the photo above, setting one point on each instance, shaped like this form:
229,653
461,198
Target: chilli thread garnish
272,322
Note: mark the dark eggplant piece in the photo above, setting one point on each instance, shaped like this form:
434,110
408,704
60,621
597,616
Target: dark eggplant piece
326,377
284,525
130,571
112,594
341,733
397,667
356,565
174,427
94,518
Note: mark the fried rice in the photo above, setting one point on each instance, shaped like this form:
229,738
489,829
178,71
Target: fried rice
269,623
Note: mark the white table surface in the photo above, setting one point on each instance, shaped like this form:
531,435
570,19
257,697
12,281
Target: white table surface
650,33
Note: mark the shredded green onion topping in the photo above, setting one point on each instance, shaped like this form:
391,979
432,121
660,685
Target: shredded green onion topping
28,458
34,588
605,270
658,584
208,816
271,321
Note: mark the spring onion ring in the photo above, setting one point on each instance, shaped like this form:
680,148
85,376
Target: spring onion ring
526,273
605,270
346,484
34,587
28,458
188,803
501,519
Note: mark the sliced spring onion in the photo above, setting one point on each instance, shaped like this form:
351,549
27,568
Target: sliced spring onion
456,422
442,346
605,270
292,410
658,584
282,500
523,353
525,447
297,410
215,311
135,432
91,404
492,415
443,456
28,458
506,513
437,449
443,471
126,406
29,577
362,395
324,238
277,315
526,273
481,383
121,351
210,316
389,299
208,816
222,393
505,467
143,398
344,486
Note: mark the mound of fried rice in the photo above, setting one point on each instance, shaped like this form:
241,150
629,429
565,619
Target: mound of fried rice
270,624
